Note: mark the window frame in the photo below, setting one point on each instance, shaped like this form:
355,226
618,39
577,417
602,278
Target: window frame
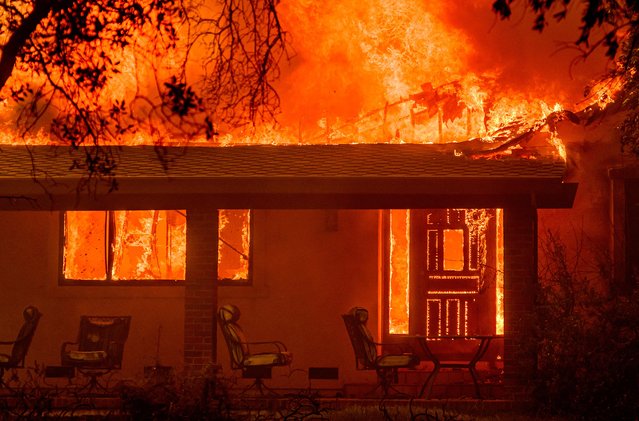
226,282
64,281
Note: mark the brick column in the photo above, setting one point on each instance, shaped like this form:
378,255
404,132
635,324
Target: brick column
200,295
520,286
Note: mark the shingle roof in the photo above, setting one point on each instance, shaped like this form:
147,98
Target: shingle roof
270,161
381,175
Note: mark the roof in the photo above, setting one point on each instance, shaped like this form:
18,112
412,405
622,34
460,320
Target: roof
363,176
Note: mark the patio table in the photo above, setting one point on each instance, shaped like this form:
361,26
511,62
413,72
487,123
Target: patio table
484,343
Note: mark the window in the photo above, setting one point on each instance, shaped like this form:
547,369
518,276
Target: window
443,271
453,249
148,245
124,245
234,246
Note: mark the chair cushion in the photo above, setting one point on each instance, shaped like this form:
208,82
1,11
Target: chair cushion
87,356
277,358
397,361
4,358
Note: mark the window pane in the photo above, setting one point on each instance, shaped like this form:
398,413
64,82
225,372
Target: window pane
399,271
233,246
453,249
149,244
84,245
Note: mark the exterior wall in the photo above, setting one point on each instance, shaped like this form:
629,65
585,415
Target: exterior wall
309,268
29,260
592,150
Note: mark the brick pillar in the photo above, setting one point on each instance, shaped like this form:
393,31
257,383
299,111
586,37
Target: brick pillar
520,286
200,295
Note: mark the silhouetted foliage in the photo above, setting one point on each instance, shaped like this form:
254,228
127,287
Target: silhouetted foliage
613,18
247,44
587,333
92,72
630,95
608,24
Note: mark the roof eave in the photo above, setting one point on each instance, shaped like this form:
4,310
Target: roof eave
290,193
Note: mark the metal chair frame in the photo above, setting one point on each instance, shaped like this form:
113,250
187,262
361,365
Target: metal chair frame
20,346
366,354
240,350
102,337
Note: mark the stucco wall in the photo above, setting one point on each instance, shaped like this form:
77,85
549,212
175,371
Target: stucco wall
29,275
592,150
309,267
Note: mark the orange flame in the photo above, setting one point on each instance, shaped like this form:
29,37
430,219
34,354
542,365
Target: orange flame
234,244
125,245
399,285
365,72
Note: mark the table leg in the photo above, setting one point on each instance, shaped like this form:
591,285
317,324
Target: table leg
483,347
428,384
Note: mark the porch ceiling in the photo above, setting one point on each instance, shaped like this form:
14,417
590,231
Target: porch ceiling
366,176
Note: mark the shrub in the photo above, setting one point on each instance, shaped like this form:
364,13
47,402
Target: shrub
587,333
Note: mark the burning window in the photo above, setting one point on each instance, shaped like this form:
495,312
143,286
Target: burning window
444,271
124,245
234,246
147,245
453,249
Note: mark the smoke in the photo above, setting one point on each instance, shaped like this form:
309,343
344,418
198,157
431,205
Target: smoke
355,56
544,64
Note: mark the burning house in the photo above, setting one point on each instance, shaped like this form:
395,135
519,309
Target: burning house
425,208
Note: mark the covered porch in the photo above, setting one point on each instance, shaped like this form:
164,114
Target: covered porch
335,185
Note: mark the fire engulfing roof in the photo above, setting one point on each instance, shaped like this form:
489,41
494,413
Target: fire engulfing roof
365,176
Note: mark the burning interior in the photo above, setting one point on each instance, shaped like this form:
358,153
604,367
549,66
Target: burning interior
148,245
447,263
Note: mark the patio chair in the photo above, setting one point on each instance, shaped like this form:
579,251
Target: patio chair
99,348
366,356
255,365
20,346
